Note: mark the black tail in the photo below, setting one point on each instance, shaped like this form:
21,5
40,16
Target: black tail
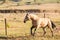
53,25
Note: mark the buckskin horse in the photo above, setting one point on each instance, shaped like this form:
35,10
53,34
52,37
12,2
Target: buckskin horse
38,22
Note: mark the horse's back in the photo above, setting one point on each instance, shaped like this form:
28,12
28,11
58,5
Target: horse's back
43,21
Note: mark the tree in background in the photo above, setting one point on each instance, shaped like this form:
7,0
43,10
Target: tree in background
7,1
16,1
58,1
35,1
4,1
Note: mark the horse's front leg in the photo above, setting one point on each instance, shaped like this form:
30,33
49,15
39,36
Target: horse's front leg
34,30
31,30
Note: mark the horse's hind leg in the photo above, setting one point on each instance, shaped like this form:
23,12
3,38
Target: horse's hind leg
51,31
50,26
44,31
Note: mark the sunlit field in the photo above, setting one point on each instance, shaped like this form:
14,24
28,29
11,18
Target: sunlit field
17,30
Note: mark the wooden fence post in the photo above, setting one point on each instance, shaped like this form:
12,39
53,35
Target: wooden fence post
5,27
44,13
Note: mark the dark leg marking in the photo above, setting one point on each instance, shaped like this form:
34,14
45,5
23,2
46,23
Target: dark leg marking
31,30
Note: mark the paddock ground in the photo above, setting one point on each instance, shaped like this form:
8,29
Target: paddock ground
17,30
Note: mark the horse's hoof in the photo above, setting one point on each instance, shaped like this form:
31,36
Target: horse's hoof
32,34
52,35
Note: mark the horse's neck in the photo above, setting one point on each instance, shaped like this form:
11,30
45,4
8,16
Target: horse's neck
34,17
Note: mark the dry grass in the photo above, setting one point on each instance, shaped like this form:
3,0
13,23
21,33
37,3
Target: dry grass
19,31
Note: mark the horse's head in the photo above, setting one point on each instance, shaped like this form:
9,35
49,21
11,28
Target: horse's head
26,18
30,16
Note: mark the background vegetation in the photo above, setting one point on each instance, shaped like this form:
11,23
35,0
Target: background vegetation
22,2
